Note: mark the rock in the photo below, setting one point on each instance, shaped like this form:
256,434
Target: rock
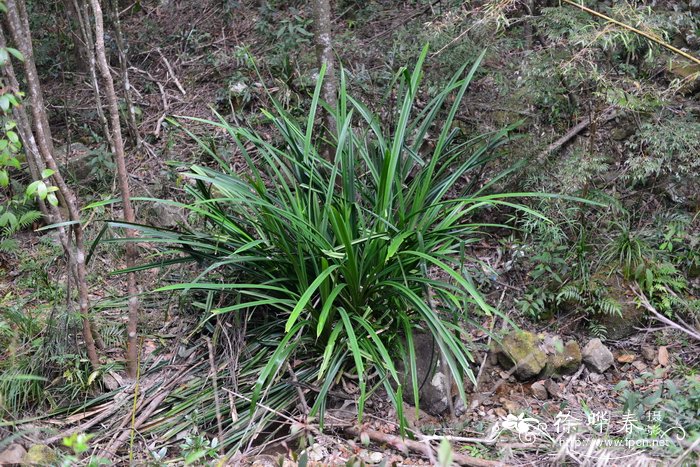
12,455
165,215
371,457
553,388
564,359
539,391
499,411
77,163
521,348
626,358
619,326
510,406
663,356
639,365
688,72
40,454
648,353
433,386
597,356
595,378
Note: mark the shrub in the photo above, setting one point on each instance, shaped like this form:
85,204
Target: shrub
346,246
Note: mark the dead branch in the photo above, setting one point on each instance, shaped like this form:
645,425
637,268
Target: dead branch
644,301
172,73
604,117
404,445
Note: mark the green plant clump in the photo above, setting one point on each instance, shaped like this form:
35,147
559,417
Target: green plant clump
348,246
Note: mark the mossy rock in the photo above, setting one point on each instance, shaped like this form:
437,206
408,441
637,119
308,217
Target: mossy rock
521,348
40,454
565,359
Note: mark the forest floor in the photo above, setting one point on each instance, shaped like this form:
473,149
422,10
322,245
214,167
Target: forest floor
187,61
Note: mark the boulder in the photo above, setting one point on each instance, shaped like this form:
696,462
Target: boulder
597,356
521,348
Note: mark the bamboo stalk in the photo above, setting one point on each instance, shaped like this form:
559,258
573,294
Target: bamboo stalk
656,40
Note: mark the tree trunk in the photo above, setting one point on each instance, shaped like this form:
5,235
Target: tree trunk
324,55
40,142
124,68
123,179
88,46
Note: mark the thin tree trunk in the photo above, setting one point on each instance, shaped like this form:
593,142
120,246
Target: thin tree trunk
81,53
124,68
123,179
19,30
89,49
21,19
324,55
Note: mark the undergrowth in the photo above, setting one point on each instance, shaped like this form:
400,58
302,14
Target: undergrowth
343,247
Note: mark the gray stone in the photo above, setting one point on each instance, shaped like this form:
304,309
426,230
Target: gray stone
539,390
648,353
597,356
521,348
433,385
553,388
595,378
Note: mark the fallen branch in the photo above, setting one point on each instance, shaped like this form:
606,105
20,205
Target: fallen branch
607,115
83,428
404,445
172,73
112,448
644,301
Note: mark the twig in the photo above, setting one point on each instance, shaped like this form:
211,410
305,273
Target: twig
404,445
172,73
114,445
659,317
607,115
87,425
300,392
575,376
215,386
